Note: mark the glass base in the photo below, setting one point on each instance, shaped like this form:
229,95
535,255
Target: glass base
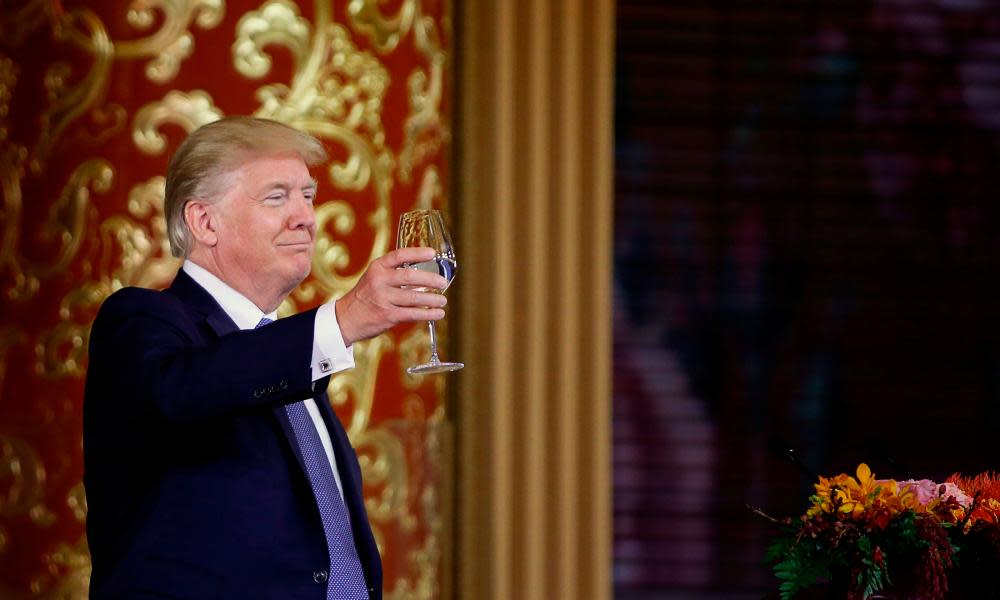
434,367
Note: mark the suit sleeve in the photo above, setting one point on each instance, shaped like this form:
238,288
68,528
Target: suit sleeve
152,361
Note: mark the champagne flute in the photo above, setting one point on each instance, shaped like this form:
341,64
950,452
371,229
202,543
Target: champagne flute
425,228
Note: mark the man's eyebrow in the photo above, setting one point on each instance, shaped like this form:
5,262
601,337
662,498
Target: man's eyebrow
281,184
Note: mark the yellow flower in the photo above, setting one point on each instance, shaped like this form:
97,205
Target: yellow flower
850,497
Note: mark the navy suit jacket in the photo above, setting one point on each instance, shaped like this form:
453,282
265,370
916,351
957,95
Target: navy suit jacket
193,487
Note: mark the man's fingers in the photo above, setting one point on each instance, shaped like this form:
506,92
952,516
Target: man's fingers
403,256
411,315
418,278
421,299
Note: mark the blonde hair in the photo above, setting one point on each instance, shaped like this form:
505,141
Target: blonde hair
198,167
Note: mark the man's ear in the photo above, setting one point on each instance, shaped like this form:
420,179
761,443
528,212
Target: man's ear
202,220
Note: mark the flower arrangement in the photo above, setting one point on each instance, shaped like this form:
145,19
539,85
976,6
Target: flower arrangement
864,537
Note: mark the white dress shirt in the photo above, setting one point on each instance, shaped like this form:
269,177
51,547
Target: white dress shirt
330,355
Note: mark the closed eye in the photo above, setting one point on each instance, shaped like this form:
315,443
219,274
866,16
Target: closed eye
276,197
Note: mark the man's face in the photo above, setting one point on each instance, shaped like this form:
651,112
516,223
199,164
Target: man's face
266,226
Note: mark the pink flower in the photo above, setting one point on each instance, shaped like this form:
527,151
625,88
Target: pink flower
952,490
925,490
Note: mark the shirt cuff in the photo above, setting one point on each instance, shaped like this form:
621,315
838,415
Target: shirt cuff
330,355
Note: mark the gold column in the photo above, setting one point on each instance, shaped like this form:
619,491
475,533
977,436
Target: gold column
534,205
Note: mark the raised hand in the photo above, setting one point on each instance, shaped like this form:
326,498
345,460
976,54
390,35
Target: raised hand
387,295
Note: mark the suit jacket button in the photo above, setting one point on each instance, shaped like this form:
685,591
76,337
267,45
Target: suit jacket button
283,385
320,576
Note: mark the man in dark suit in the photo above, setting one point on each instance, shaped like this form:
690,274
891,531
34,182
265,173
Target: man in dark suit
214,467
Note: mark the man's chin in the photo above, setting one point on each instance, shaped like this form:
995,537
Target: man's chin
303,271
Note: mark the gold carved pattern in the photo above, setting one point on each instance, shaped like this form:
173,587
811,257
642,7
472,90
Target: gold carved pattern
68,565
64,226
383,460
336,92
188,110
430,455
424,128
172,43
138,242
8,79
359,383
60,350
414,349
22,478
83,30
22,482
70,568
12,157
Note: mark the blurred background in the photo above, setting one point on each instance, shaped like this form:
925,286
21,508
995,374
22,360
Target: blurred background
805,258
708,251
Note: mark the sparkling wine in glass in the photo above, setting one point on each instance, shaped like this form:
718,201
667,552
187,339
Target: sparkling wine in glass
425,228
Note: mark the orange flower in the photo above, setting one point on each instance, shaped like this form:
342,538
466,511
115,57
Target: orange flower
861,496
985,489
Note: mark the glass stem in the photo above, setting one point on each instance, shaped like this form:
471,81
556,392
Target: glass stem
434,346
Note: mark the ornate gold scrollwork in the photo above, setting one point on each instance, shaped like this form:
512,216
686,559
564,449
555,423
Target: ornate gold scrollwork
359,383
431,189
277,22
143,259
425,130
65,224
414,348
73,561
83,29
384,31
332,256
12,157
188,110
430,490
335,94
8,79
172,43
76,500
69,567
68,214
22,477
383,460
60,351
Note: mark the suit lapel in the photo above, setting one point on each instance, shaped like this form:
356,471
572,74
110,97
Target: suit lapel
198,298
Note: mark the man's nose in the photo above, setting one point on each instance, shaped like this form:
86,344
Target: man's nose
303,214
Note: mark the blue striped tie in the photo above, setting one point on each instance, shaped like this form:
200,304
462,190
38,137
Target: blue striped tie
346,579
